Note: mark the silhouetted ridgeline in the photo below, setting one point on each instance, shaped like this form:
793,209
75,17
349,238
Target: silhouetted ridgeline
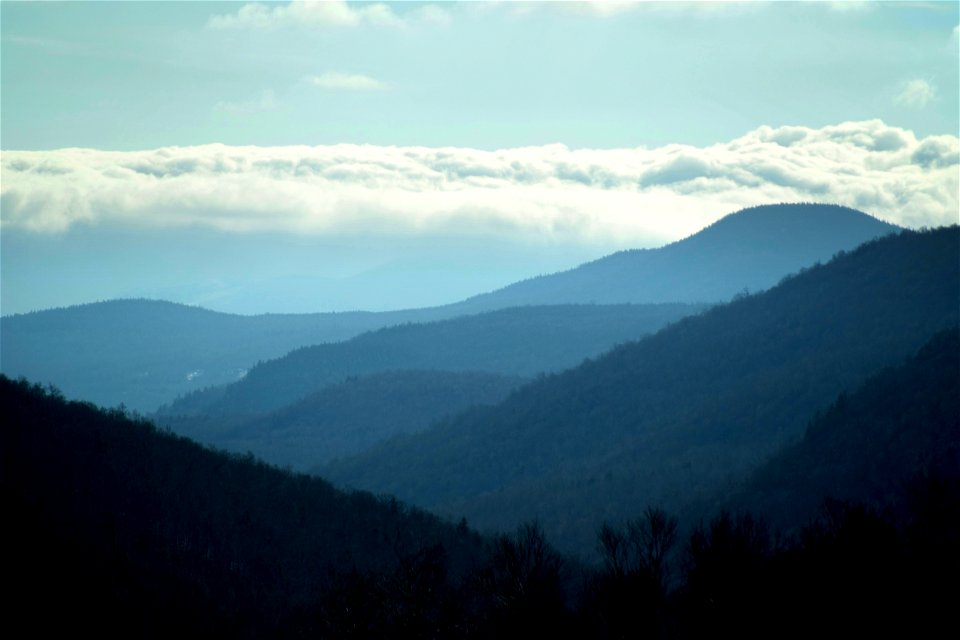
117,529
673,417
750,249
114,523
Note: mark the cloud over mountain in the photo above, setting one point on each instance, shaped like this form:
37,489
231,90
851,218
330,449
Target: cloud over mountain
542,194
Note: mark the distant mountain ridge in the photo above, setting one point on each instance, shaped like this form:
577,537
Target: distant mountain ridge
345,418
145,353
751,249
671,417
520,341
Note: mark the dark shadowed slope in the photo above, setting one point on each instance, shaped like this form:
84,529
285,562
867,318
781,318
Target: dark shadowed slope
519,342
751,249
345,418
113,526
903,423
677,414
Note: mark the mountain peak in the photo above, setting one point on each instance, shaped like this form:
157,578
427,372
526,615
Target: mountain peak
751,249
781,223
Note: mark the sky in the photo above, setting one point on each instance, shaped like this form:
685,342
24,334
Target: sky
279,157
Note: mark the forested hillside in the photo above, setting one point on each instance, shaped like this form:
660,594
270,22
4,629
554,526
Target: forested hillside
127,530
672,417
903,423
750,250
522,341
347,417
133,531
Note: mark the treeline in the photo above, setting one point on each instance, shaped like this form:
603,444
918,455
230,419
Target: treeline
118,528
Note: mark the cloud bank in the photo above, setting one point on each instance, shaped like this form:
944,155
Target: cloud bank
546,194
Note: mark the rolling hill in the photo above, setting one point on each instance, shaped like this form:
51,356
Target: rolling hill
521,341
674,416
348,417
145,353
751,249
127,530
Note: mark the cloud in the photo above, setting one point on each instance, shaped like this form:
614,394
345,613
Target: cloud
544,194
265,102
325,14
346,82
916,94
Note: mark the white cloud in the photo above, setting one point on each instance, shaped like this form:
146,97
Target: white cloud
346,82
265,102
614,197
313,14
916,94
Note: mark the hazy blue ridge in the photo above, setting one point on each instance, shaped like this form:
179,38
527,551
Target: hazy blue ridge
521,341
676,415
751,249
347,417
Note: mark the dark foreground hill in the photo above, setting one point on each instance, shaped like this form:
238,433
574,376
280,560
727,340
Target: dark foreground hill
115,529
748,250
113,525
522,341
348,417
674,416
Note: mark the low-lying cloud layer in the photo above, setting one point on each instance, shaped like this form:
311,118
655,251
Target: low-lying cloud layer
617,197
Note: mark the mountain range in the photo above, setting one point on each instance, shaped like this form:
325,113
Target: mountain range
802,369
670,418
144,353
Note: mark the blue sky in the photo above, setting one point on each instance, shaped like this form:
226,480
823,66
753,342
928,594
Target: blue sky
482,141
